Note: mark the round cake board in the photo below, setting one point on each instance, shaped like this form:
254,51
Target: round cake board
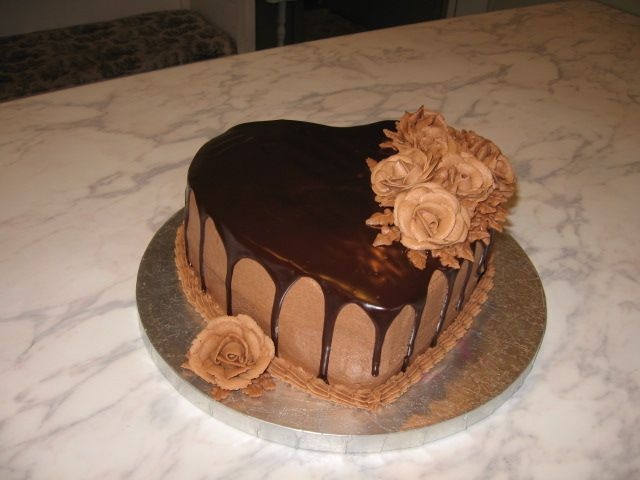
477,376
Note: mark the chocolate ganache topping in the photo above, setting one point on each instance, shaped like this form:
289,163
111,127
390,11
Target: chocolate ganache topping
293,195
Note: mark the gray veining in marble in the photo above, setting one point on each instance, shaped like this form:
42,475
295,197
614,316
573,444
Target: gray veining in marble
87,175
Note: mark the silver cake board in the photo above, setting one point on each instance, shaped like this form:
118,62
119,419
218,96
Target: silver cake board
477,376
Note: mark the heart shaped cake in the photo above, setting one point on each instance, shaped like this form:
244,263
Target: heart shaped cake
362,252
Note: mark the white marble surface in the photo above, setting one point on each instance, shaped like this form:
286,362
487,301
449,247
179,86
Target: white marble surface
87,175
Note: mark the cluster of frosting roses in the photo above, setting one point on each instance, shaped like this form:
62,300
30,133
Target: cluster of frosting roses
442,190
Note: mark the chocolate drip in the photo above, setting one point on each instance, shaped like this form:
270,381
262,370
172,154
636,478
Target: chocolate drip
418,308
482,264
414,333
451,275
332,307
377,349
202,216
282,278
467,277
294,197
231,263
334,301
235,252
187,198
382,325
278,300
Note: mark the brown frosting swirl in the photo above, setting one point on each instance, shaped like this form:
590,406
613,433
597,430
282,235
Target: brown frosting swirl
399,172
429,217
230,352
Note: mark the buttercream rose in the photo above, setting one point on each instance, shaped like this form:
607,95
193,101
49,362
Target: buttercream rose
429,217
230,352
400,172
466,177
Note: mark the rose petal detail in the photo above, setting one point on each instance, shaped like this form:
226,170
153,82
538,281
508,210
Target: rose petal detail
400,172
466,177
429,217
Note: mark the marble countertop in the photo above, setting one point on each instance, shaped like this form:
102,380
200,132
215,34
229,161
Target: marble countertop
87,175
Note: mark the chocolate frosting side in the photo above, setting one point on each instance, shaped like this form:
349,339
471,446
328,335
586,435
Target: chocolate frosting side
295,196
